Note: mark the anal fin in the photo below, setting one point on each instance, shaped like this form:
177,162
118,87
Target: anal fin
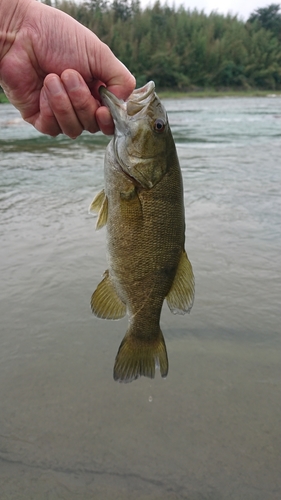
105,302
181,295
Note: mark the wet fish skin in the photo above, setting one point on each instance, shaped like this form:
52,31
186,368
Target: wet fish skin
142,206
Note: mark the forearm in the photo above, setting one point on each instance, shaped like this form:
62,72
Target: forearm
12,13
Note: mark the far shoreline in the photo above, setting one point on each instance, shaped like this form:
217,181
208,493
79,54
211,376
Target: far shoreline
207,93
200,93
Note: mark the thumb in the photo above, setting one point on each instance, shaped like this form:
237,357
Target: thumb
111,72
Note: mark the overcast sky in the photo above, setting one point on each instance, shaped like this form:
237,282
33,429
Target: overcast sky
241,7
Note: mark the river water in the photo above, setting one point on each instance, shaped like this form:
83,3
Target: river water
211,430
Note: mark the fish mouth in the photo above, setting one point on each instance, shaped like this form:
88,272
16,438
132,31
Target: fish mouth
141,94
135,103
137,95
111,101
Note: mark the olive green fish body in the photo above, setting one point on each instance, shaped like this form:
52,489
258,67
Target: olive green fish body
145,241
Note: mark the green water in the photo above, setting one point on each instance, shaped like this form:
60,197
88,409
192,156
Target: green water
211,430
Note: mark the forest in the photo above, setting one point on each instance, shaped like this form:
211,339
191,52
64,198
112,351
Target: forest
187,49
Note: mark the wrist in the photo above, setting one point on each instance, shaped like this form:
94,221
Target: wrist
12,13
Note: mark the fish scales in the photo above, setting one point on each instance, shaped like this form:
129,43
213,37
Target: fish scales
142,206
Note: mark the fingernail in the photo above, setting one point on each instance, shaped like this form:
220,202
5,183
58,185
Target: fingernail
54,86
71,81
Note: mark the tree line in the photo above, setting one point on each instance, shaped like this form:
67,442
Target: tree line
187,49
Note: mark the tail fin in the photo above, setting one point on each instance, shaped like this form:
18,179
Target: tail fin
137,357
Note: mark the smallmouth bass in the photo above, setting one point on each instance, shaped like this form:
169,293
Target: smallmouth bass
142,207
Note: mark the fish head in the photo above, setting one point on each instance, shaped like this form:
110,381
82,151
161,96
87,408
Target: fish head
142,135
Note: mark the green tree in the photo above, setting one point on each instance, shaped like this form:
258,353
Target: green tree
268,18
183,48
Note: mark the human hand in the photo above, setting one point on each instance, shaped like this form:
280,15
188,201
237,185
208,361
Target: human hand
52,69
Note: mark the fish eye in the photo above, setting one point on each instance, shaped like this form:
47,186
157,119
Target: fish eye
159,125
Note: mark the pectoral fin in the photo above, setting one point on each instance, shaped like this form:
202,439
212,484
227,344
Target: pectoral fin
181,295
105,302
100,205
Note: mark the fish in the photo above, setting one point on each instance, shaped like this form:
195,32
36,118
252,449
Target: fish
142,207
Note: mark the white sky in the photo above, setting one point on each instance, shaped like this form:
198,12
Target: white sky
241,7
